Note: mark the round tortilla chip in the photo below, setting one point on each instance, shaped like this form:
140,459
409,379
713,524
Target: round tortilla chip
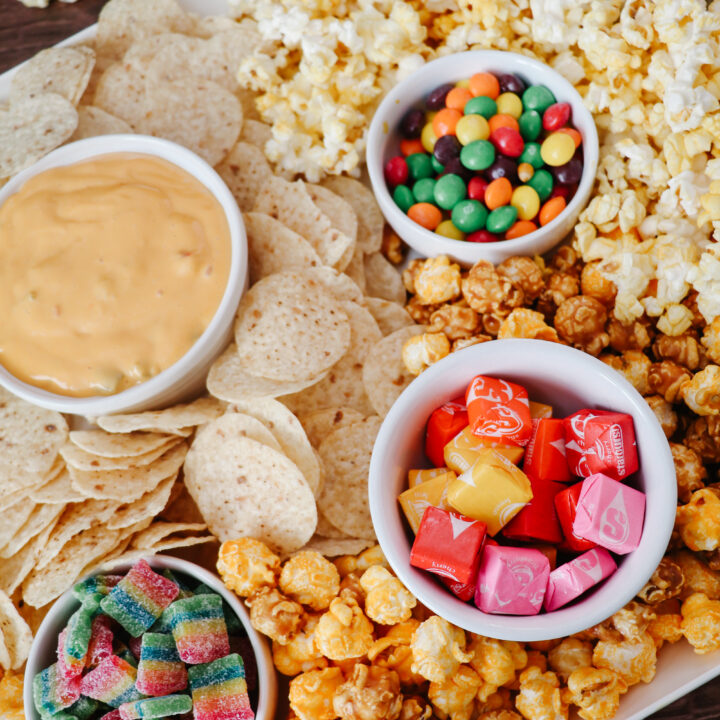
145,507
384,374
383,280
338,284
342,217
390,316
244,171
355,269
242,424
319,424
110,445
289,328
94,121
120,91
326,529
175,420
256,133
15,632
246,489
346,455
80,460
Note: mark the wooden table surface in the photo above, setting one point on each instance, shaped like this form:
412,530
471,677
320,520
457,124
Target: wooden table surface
24,31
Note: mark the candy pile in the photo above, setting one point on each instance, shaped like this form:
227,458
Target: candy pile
136,642
498,156
480,439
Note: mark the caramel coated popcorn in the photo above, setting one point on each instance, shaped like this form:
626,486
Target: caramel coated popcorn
699,520
701,623
387,601
308,578
246,565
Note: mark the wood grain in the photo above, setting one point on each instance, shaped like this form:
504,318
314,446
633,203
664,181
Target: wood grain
24,31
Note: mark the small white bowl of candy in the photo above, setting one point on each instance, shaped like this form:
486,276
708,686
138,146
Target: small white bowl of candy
522,490
152,638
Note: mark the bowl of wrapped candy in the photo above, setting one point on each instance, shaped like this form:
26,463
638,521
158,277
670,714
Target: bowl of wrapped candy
152,638
522,489
482,155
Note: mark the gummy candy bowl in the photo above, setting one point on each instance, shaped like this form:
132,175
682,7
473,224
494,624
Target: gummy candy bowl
383,143
44,648
568,380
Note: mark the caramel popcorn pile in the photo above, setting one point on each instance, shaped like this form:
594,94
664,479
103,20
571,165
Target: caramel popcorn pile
358,645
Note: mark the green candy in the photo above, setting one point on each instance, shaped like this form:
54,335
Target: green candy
437,166
542,183
478,155
537,97
83,708
481,105
531,154
449,191
469,215
419,165
79,628
501,219
403,197
423,190
158,707
530,123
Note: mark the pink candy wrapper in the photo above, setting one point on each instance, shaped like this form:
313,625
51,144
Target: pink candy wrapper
511,580
610,514
572,579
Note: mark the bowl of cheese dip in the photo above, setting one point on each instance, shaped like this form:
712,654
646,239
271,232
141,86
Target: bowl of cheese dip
122,262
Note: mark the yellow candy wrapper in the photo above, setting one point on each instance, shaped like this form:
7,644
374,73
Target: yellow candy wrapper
540,410
417,477
432,492
465,448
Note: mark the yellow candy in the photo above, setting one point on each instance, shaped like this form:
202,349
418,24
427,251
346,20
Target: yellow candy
525,171
557,149
509,103
433,492
417,477
448,230
540,410
527,202
472,127
463,450
428,138
492,491
463,83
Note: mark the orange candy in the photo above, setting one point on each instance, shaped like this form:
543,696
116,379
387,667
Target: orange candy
445,121
520,228
457,98
498,193
484,84
502,121
411,146
573,133
425,214
551,209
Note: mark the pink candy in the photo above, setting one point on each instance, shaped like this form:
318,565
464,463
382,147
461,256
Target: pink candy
610,514
575,577
68,668
511,580
101,641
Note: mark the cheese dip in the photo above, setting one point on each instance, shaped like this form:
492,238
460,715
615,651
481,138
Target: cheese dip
110,270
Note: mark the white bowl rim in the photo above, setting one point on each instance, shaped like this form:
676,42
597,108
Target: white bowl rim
561,622
104,145
448,246
267,679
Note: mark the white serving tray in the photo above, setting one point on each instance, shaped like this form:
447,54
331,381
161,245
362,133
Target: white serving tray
679,669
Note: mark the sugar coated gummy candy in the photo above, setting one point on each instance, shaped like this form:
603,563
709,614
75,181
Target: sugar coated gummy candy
97,585
138,600
68,667
185,591
82,709
124,653
160,672
156,707
111,682
219,690
53,693
198,626
77,634
101,641
234,626
112,715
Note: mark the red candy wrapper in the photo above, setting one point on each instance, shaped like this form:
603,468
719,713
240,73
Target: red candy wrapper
610,446
545,454
575,439
462,591
443,425
566,507
499,410
573,578
448,544
538,520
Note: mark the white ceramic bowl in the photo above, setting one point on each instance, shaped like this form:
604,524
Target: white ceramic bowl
383,143
186,377
44,648
568,380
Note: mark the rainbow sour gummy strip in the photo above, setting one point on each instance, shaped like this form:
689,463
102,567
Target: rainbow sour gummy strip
160,671
111,682
219,691
198,626
156,707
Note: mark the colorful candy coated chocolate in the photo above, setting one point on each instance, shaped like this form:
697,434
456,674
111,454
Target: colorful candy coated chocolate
160,671
198,626
403,197
447,229
156,707
219,690
557,149
433,492
53,693
396,170
111,682
572,579
138,600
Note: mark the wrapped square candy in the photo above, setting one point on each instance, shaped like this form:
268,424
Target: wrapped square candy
138,600
111,682
493,491
540,410
610,446
549,551
52,692
219,690
417,477
537,521
566,508
443,425
545,453
511,580
610,514
462,591
574,426
199,629
572,579
499,410
415,500
463,450
448,545
160,671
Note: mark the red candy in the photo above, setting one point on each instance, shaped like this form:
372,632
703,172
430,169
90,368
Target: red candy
508,141
545,453
482,236
463,591
499,410
610,445
444,424
476,189
448,544
575,439
556,116
537,521
566,507
396,171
